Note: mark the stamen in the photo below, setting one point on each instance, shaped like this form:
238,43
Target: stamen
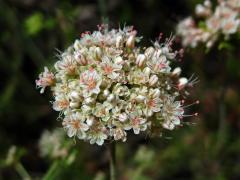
196,102
190,115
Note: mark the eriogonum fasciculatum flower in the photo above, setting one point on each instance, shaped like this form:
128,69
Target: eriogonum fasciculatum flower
104,86
210,24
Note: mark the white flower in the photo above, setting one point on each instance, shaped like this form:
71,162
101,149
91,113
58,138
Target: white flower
230,26
172,112
102,111
67,64
119,134
159,63
46,78
61,103
137,123
152,102
98,137
90,81
138,77
109,68
75,126
213,24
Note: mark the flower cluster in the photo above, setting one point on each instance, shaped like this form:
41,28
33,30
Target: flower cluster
104,85
210,25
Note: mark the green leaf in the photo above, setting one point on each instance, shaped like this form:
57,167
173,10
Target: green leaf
225,45
34,23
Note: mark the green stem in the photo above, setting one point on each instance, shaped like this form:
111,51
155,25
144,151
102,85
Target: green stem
22,171
112,158
53,171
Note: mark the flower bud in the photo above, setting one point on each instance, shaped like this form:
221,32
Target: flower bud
88,100
106,92
123,117
182,82
119,40
168,125
85,108
165,50
149,52
110,97
207,3
153,80
74,104
80,58
202,11
131,41
90,121
74,95
158,53
140,98
72,85
155,93
147,71
118,60
77,45
141,58
177,71
98,52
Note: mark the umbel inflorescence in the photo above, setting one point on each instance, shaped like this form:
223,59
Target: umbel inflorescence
210,24
104,85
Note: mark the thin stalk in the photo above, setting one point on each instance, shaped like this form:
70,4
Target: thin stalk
112,160
22,171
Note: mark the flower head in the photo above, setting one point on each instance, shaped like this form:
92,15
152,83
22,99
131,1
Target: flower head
105,85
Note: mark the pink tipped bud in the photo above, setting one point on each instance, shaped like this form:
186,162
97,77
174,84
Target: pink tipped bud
118,60
98,53
74,95
182,82
147,71
140,98
77,45
131,41
156,93
119,41
153,80
74,105
149,52
106,93
177,71
90,121
141,58
123,117
80,59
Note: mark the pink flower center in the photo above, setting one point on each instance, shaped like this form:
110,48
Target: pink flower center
108,69
136,121
63,103
151,103
76,124
91,84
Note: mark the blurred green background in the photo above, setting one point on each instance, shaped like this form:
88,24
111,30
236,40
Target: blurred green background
31,32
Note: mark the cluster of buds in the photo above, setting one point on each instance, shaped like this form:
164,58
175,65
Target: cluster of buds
223,21
104,86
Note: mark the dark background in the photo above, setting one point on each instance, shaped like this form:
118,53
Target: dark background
207,147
